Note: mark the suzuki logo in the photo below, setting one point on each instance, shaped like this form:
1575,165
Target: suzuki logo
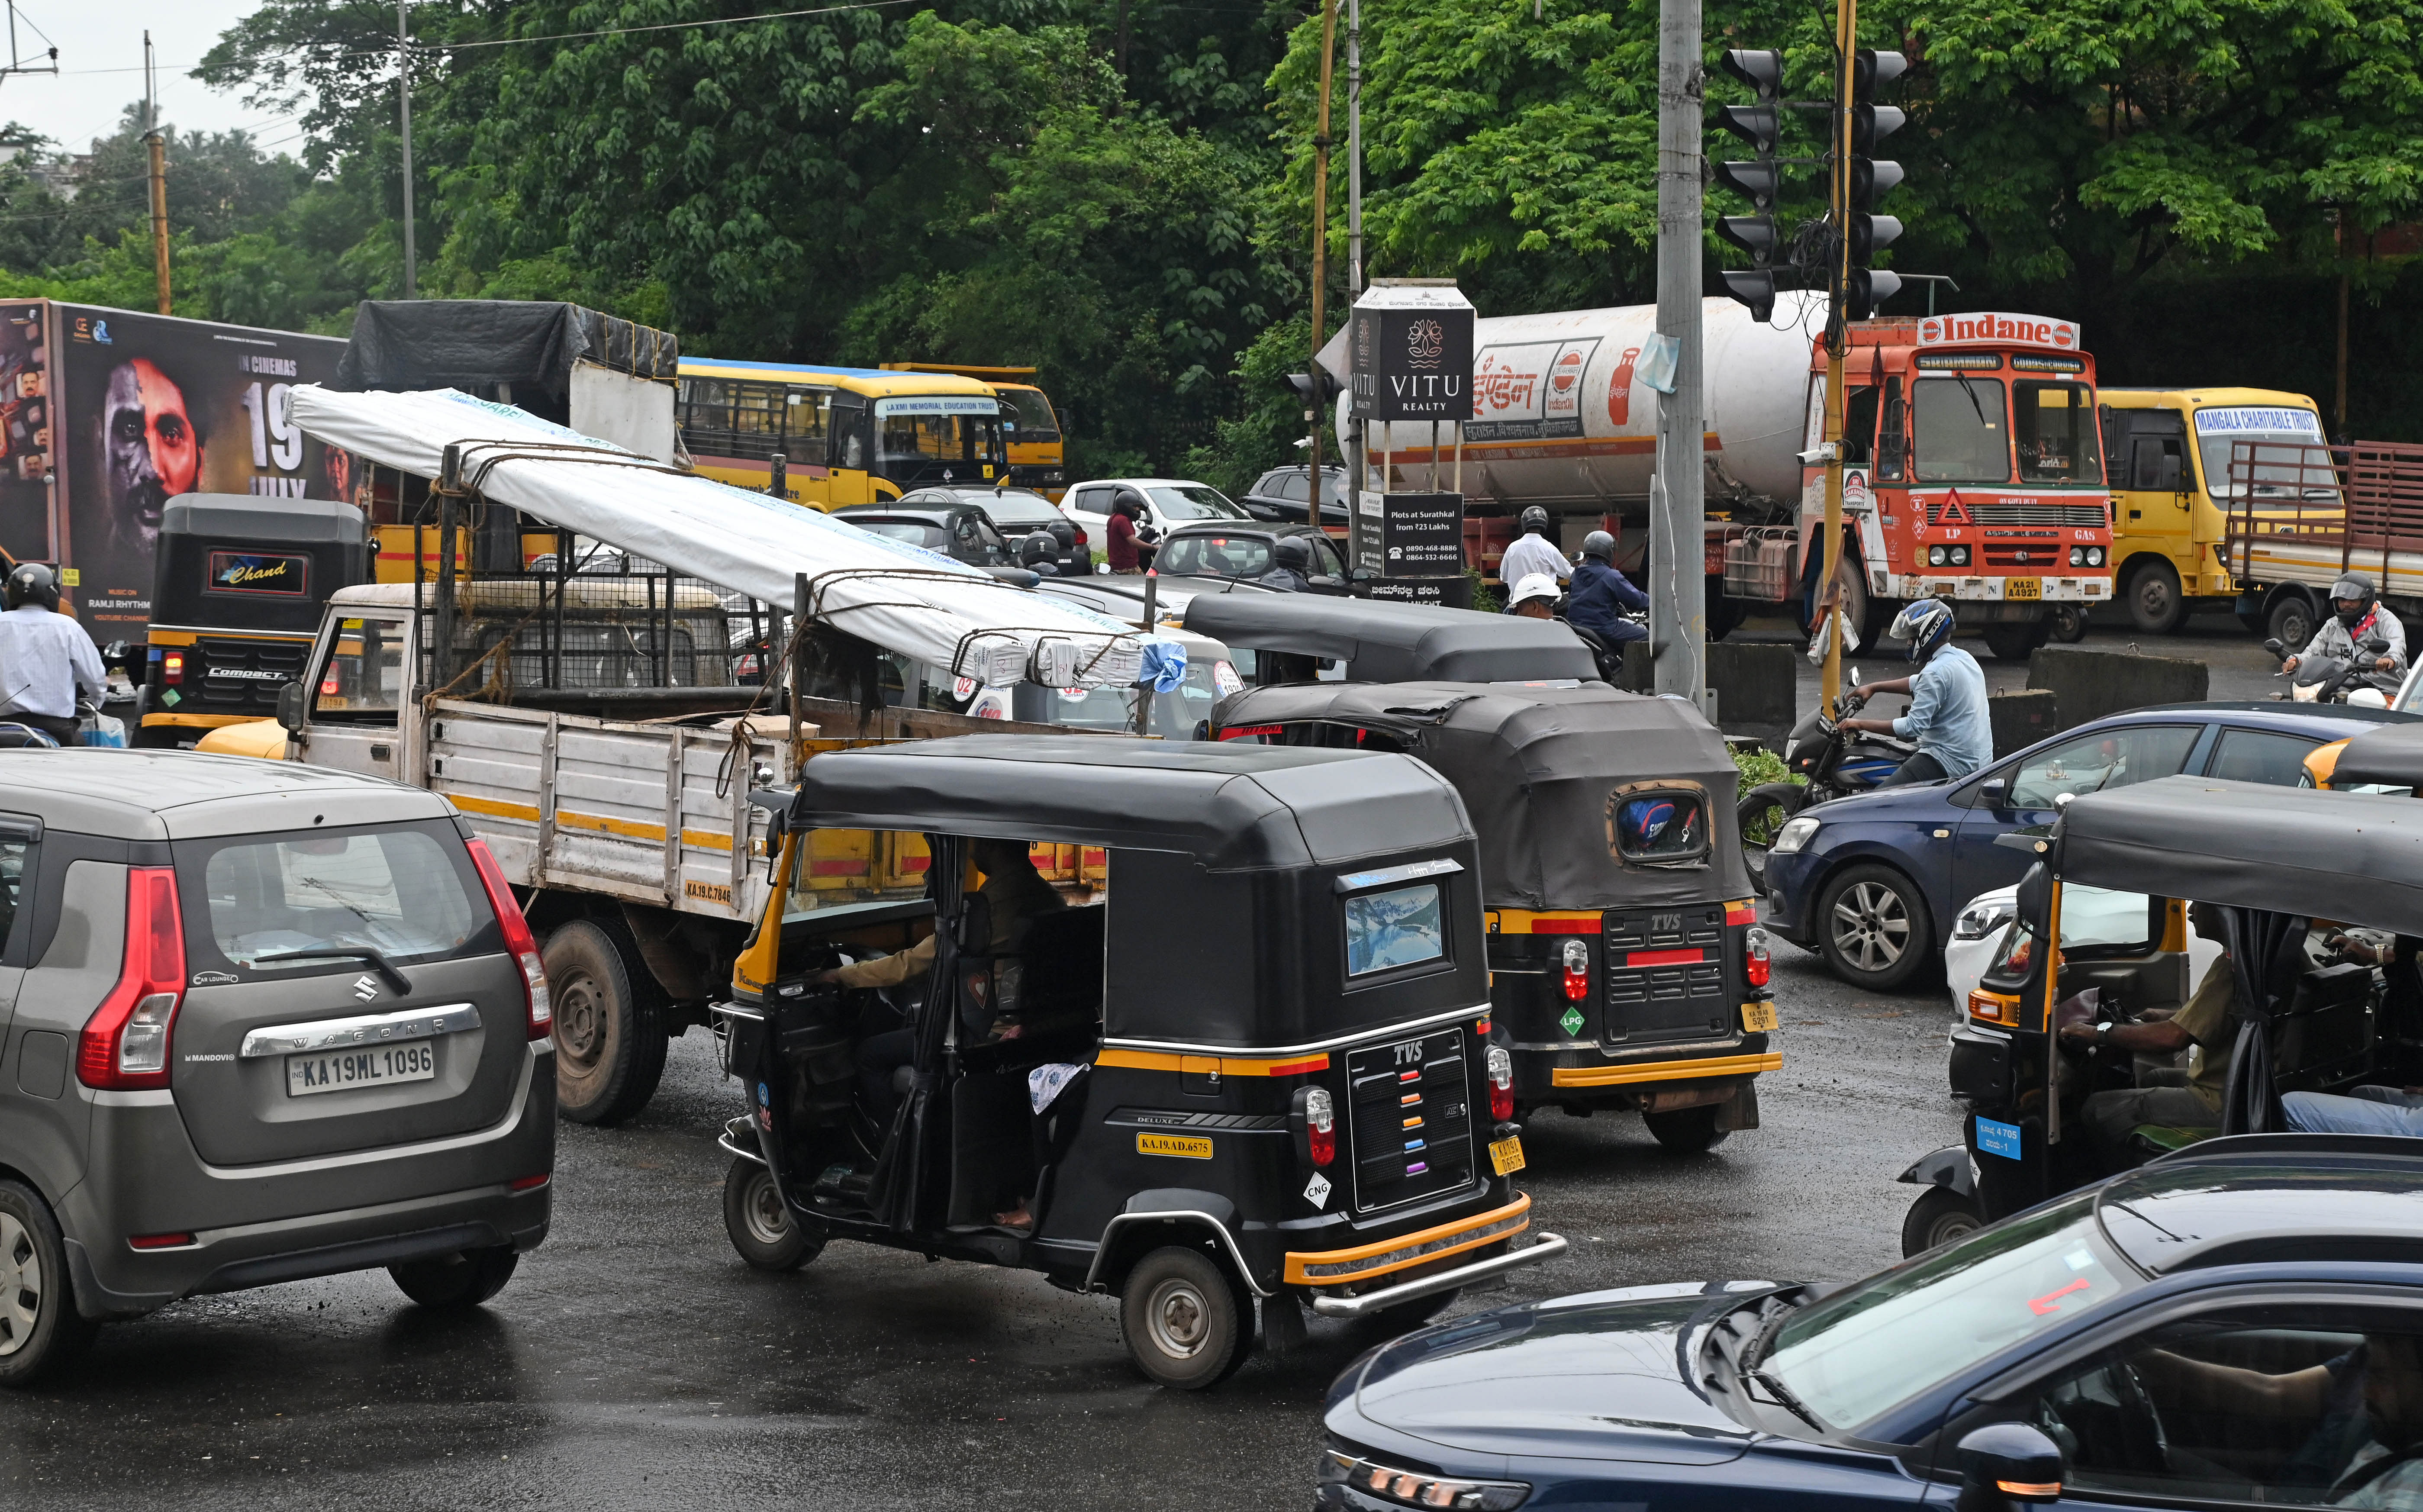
365,988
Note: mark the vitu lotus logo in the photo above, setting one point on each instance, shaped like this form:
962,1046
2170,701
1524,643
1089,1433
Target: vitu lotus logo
1425,342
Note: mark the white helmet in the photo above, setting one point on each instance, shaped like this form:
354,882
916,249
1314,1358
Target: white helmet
1533,585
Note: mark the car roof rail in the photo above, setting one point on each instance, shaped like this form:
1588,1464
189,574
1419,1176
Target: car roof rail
2239,1146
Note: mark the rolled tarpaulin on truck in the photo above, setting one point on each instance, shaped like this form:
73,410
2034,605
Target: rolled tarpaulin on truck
905,599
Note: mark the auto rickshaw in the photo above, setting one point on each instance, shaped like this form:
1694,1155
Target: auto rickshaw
1375,640
2386,759
1625,969
1260,1073
2287,870
237,589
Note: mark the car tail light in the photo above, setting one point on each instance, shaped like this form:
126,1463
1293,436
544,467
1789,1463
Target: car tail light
1576,971
1501,1084
1314,1117
1081,537
172,667
519,939
158,1241
1755,963
125,1043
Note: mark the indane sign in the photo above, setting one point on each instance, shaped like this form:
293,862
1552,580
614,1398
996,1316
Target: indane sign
1990,325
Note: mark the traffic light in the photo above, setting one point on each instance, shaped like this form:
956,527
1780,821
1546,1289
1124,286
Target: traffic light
1315,397
1756,181
1865,179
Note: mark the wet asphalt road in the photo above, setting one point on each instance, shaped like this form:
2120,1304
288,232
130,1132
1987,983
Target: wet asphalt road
634,1361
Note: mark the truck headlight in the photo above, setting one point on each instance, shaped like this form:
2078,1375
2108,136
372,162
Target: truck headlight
2094,556
1935,556
1795,834
1419,1488
1959,556
1979,920
2077,556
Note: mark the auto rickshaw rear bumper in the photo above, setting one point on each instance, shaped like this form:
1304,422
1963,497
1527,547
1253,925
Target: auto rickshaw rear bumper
1546,1246
1418,1260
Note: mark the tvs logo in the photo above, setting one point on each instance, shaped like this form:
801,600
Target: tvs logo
1425,343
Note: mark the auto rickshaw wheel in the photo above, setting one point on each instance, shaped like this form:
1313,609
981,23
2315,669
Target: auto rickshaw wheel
1184,1319
1938,1216
760,1227
610,1038
1687,1131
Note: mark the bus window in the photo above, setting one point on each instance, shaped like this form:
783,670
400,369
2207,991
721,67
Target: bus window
804,424
2055,426
1958,430
757,417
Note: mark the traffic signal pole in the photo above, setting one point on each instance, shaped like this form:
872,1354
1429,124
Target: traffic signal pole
1838,278
1319,256
1678,524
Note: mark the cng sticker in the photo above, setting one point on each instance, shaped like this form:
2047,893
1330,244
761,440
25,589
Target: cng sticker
1185,1146
1572,1023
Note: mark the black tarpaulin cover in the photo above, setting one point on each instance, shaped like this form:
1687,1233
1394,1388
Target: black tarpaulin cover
2389,756
1381,641
1536,768
2354,858
471,344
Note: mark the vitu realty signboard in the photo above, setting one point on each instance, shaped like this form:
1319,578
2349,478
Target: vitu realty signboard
1409,353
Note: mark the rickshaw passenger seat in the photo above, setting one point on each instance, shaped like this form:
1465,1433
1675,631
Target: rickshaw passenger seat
1063,952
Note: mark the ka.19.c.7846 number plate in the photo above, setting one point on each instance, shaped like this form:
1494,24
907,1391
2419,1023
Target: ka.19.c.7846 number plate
337,1070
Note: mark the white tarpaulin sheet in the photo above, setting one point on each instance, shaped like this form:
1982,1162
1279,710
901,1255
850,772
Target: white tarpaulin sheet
903,597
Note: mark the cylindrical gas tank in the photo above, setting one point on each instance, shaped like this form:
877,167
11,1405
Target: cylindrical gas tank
1560,420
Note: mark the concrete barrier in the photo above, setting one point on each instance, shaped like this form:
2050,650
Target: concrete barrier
2091,684
2022,719
1754,687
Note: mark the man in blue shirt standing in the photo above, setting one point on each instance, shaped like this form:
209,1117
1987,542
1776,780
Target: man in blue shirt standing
1947,716
1599,594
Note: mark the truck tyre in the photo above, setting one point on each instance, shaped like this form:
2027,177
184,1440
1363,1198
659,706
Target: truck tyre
1687,1131
2012,643
40,1326
1938,1216
760,1227
1873,928
1724,614
1187,1323
458,1280
1758,816
2156,605
2291,621
2068,622
610,1038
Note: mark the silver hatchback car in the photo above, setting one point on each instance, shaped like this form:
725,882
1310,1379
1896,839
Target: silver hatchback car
262,1022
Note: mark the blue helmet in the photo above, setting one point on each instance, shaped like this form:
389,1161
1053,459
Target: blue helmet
1926,625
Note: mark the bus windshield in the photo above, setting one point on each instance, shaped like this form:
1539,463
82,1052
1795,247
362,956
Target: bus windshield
1958,430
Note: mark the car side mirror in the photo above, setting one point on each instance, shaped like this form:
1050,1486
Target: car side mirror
2006,1465
292,713
1996,792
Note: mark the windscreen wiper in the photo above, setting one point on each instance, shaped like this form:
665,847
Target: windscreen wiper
378,960
1785,1398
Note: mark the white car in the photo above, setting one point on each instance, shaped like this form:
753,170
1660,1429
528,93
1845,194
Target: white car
2090,916
1167,502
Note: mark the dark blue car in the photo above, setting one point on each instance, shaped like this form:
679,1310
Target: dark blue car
1873,881
2237,1325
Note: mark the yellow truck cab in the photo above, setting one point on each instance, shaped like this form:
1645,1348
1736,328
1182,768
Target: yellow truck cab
2167,454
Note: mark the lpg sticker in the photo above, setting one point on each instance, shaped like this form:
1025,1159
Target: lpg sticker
1998,1138
1316,1191
1185,1146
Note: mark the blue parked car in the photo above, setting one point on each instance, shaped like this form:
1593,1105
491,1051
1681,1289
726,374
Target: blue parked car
1874,882
2241,1323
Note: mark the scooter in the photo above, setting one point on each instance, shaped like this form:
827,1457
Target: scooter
1836,763
1608,654
2330,680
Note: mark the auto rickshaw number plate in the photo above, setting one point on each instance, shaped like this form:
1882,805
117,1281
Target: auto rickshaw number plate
1758,1018
1506,1155
1186,1146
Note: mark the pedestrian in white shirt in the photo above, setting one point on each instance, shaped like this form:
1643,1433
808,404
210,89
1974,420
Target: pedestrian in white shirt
1534,553
45,657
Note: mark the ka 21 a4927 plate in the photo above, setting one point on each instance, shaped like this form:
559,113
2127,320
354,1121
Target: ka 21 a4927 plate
337,1070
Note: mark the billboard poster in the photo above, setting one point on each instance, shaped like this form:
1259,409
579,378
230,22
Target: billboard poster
1407,534
149,407
25,462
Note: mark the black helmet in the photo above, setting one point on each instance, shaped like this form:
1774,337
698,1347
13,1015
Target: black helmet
1034,549
2351,586
30,582
1291,552
1600,545
1535,521
1063,533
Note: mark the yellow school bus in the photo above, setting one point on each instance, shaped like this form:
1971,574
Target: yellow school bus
1037,454
846,436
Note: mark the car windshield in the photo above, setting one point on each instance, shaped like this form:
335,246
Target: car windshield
1851,1356
1215,556
1195,500
1960,434
397,891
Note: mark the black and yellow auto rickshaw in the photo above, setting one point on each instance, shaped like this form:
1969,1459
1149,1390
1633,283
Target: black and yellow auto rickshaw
2278,877
1625,970
1364,640
237,590
1261,1072
2388,759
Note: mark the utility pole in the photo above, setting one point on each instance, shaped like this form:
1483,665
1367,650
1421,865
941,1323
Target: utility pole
158,146
403,106
1678,521
17,63
1319,253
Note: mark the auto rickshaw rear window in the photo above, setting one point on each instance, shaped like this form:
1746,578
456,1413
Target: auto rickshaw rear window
1660,826
1401,927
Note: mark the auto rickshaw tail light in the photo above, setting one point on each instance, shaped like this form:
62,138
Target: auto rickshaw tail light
1754,962
1994,1006
1320,1126
1576,959
1501,1084
172,667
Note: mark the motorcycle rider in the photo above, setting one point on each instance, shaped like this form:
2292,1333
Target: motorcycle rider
1534,553
1599,597
1948,717
1290,566
46,659
2359,618
1534,597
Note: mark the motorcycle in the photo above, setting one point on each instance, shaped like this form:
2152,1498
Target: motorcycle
2330,680
1608,654
1836,762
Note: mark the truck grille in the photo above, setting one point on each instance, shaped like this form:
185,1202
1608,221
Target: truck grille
228,676
2039,556
2077,516
1411,1119
1665,975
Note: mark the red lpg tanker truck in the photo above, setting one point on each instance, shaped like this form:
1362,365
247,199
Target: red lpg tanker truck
1973,474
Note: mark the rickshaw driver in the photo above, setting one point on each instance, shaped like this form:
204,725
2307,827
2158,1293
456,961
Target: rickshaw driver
2210,1022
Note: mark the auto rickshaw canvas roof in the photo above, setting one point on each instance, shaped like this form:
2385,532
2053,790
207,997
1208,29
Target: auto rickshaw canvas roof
252,518
1536,768
2354,858
1382,642
1231,808
2391,756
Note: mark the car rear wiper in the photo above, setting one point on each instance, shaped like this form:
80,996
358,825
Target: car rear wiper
378,960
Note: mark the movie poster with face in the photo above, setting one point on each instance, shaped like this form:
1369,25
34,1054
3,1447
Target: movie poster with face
24,432
156,407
